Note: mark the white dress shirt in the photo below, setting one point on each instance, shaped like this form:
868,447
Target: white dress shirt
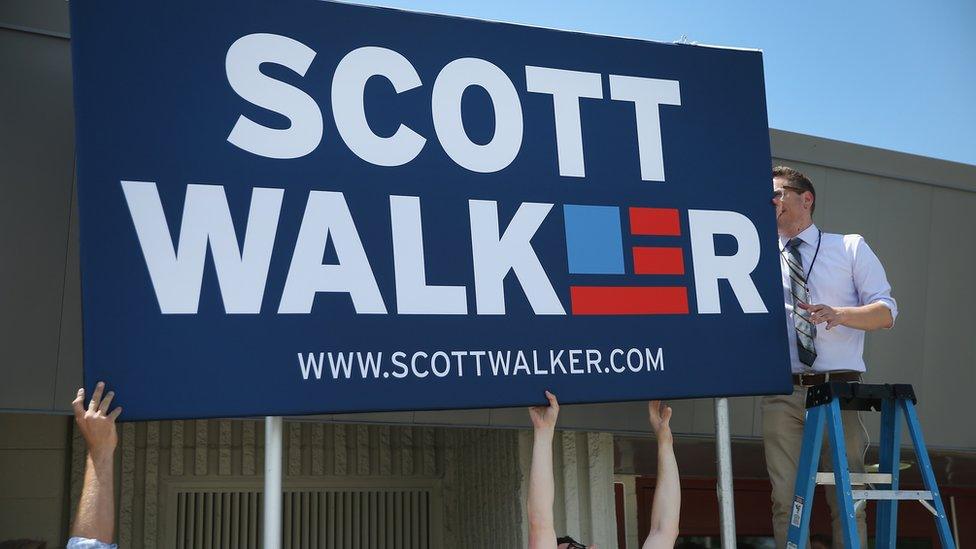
846,273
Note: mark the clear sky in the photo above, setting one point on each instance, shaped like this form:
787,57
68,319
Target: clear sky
895,74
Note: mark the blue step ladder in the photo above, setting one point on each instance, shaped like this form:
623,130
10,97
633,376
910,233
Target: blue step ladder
824,404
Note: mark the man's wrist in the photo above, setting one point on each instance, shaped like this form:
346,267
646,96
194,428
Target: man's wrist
843,315
545,431
102,457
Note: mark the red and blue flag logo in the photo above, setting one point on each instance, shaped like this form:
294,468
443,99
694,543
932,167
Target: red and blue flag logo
595,246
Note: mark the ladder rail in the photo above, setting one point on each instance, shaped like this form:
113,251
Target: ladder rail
838,452
889,457
928,476
806,476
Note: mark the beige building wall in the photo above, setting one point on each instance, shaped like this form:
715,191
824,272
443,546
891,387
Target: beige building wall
34,455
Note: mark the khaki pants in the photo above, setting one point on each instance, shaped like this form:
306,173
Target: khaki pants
783,417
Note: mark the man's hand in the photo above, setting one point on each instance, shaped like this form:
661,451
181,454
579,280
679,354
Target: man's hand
824,313
96,423
544,417
660,416
873,316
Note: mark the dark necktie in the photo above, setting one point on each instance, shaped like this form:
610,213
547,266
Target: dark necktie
806,332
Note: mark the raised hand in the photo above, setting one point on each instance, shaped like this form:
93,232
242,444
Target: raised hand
544,417
97,423
660,417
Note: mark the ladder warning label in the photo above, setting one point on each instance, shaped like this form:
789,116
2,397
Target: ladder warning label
797,511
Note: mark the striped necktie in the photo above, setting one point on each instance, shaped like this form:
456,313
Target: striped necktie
806,331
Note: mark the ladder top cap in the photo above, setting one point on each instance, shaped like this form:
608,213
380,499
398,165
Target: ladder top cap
859,396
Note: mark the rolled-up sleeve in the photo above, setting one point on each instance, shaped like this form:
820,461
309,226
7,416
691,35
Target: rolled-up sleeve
869,275
87,543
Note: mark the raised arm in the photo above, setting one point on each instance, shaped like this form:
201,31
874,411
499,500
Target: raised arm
96,508
667,491
542,533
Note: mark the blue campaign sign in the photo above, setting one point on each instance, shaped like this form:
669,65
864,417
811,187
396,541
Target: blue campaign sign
299,207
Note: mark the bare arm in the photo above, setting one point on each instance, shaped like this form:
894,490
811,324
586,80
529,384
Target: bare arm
667,491
873,316
96,508
542,533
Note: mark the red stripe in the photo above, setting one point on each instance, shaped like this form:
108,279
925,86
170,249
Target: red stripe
658,261
654,221
629,300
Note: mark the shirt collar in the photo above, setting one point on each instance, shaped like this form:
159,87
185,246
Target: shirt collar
808,235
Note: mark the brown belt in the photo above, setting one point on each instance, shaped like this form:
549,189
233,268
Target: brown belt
808,380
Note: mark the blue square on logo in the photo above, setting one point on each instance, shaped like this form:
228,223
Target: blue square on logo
593,241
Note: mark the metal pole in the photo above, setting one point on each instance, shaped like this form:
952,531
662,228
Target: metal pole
955,523
723,447
272,482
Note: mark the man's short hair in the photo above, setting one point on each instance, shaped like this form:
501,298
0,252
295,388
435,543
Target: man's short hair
796,179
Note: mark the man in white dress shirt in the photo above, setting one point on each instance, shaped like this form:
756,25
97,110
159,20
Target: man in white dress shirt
835,289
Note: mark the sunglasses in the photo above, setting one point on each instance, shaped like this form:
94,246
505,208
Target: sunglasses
778,193
573,544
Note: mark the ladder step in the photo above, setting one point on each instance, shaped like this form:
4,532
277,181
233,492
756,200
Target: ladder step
891,494
856,478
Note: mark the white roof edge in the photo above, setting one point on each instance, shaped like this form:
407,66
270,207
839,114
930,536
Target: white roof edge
737,48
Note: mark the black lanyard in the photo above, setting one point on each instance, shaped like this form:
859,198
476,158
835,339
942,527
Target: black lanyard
815,254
